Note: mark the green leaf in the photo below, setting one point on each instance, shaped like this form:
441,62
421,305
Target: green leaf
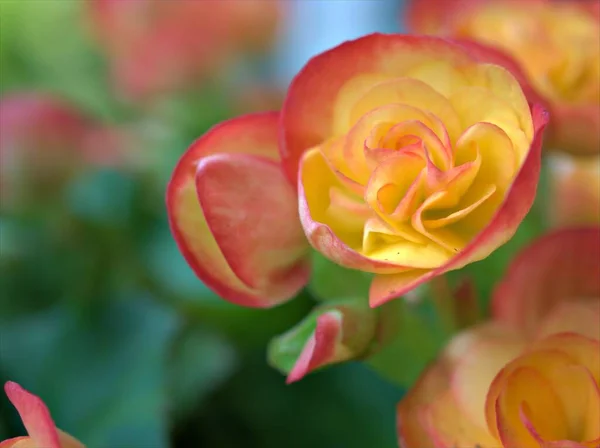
330,281
102,374
200,362
419,338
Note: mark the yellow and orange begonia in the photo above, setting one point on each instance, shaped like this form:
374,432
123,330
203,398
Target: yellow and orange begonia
412,156
38,422
417,157
556,42
529,378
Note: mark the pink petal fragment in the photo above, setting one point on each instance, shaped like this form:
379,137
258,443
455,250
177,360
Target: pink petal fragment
320,347
560,266
35,416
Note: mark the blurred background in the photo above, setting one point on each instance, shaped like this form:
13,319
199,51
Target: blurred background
99,313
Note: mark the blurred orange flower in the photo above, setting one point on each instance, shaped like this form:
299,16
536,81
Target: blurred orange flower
157,47
556,42
531,376
575,190
42,432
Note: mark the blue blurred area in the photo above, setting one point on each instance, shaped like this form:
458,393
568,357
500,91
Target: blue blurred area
315,26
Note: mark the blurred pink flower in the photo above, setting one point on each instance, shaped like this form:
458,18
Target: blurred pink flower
42,432
44,139
156,47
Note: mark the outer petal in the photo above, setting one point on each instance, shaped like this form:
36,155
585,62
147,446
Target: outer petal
37,421
34,414
561,266
308,112
494,55
234,217
502,227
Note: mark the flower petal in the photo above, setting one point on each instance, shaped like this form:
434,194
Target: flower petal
560,266
527,388
449,427
35,416
502,227
251,213
262,285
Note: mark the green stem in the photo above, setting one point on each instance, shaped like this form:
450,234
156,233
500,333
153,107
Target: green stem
444,303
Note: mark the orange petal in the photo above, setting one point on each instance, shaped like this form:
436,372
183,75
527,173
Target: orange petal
35,416
275,277
560,266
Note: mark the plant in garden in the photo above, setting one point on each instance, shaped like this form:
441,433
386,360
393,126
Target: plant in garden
42,432
531,375
556,42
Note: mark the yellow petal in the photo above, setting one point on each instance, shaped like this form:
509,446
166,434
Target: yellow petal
348,95
318,179
411,92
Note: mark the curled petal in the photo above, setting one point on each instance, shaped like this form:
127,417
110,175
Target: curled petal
234,216
500,229
528,386
560,266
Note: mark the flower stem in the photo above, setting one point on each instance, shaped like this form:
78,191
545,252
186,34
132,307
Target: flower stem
444,303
